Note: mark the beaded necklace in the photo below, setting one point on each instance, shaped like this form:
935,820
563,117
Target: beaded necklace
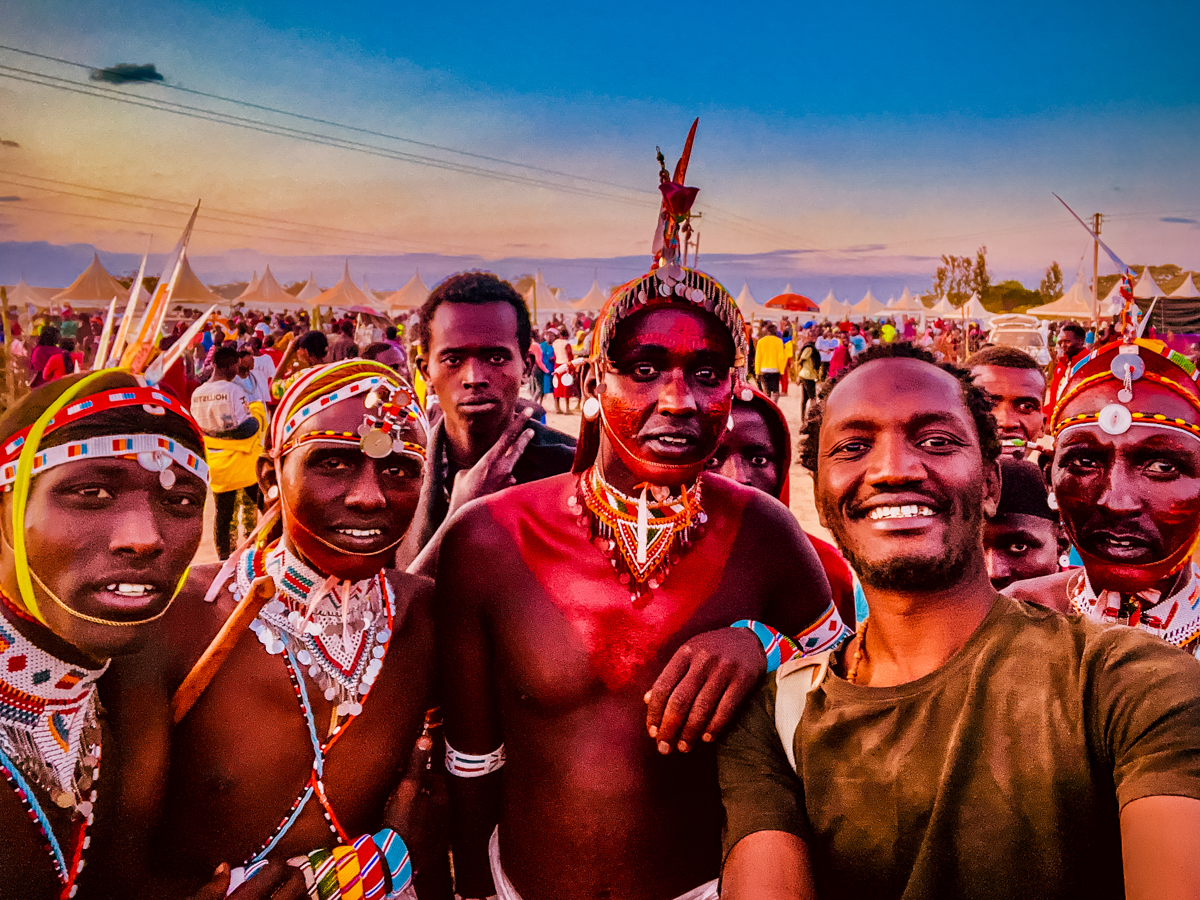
50,736
1175,619
636,534
334,629
281,634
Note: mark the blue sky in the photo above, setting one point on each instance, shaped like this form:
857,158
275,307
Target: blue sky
871,136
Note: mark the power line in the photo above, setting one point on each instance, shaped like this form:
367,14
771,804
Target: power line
211,213
51,81
317,120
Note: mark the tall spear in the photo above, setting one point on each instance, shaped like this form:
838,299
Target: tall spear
118,347
139,351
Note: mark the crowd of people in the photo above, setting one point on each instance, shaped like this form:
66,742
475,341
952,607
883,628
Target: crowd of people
454,652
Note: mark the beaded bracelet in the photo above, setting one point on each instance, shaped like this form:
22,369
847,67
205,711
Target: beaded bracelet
466,765
778,647
373,866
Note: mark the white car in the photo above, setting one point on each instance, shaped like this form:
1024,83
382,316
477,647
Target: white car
1023,332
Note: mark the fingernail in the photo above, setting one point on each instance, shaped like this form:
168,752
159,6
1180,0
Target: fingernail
653,731
706,737
664,748
646,699
683,746
527,411
221,869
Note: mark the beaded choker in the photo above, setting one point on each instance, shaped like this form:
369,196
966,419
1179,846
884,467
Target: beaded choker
50,737
1176,619
638,534
337,630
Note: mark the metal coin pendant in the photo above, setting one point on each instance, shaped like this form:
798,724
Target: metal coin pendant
1124,395
376,444
1114,419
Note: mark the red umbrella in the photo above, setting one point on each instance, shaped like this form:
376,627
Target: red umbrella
793,303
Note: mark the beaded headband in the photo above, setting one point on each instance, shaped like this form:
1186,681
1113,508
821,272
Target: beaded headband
154,452
25,446
288,418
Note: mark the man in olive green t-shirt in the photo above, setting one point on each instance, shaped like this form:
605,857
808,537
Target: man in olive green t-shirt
963,744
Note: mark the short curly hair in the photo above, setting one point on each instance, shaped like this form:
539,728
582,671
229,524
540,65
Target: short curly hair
475,288
976,399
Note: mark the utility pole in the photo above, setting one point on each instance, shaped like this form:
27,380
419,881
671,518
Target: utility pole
1097,218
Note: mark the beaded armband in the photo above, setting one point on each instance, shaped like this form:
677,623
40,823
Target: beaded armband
778,647
464,765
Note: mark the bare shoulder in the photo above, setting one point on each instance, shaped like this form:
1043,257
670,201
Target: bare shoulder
1049,591
413,594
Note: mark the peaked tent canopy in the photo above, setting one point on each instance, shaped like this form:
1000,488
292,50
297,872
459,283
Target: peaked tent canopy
412,296
1074,304
310,290
94,287
266,293
23,296
868,307
908,304
190,289
593,300
1146,286
548,300
250,288
1186,291
976,310
832,308
343,295
944,308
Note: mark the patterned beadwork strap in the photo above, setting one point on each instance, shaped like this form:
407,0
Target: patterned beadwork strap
778,647
109,445
466,765
284,432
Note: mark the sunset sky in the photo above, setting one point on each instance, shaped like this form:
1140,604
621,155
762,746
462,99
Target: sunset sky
837,142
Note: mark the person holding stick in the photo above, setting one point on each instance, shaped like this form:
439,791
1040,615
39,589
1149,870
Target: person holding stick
298,740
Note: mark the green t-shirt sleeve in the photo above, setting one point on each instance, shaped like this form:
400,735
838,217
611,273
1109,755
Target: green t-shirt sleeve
759,790
1147,697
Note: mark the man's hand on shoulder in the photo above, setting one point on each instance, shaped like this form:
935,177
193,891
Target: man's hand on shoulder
702,686
493,472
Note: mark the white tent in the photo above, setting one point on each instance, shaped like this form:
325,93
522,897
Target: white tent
944,309
22,296
1074,304
250,288
310,290
1146,287
831,308
412,296
267,293
94,287
342,295
549,301
868,307
908,304
1186,291
593,300
190,289
750,308
976,310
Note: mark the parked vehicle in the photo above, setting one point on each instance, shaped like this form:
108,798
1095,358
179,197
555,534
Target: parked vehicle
1023,332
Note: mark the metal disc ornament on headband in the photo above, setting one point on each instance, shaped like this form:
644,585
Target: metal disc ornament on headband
381,431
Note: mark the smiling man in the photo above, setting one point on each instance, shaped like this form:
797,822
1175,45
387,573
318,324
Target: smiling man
475,335
299,740
1126,480
964,744
97,536
570,682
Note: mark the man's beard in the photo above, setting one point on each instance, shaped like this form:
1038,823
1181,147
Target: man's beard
918,573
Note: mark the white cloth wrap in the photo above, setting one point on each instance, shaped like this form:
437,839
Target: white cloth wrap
505,890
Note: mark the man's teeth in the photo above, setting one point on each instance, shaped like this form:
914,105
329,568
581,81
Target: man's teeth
361,532
899,512
668,439
131,590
